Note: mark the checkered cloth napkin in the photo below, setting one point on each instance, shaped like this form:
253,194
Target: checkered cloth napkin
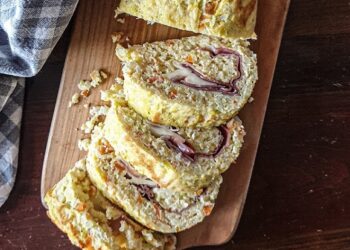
29,29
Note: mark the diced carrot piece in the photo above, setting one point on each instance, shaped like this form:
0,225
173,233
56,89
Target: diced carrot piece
81,207
172,94
207,210
189,59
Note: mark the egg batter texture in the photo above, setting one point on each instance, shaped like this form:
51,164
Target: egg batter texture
197,81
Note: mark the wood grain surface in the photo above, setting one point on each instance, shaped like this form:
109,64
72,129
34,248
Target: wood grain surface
91,48
299,193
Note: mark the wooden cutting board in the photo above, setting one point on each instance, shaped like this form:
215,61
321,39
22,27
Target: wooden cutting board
91,48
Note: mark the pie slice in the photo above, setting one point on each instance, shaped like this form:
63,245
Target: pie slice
196,81
144,200
180,159
92,222
223,18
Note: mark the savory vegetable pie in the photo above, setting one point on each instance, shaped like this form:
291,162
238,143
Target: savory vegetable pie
197,81
223,18
180,159
157,208
92,222
159,149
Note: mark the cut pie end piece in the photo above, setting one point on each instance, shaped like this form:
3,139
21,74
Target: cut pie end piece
222,18
160,209
180,159
197,81
92,222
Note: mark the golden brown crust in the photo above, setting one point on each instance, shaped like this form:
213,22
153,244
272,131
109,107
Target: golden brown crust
92,222
223,18
245,12
240,21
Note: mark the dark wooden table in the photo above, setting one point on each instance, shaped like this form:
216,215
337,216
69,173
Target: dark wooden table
299,196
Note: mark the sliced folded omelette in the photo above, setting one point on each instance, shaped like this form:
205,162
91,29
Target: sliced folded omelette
223,18
157,208
92,222
197,81
180,159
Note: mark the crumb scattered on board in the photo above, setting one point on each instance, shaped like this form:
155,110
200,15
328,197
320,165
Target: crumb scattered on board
74,100
119,37
117,12
121,20
96,113
85,86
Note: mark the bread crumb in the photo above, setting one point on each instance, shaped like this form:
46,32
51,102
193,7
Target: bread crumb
117,37
103,74
96,113
99,110
74,100
97,77
121,20
85,93
251,99
84,85
117,12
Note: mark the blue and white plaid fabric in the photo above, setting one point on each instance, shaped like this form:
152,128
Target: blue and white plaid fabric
29,29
